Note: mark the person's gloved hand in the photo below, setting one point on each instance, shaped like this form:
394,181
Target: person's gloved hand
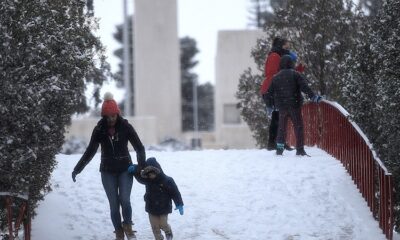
180,208
74,173
269,112
293,56
131,169
316,99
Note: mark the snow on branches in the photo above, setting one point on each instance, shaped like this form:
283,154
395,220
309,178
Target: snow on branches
47,54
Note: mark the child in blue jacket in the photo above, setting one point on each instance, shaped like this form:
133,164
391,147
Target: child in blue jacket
160,191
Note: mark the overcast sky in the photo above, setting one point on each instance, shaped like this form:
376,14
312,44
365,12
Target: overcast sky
199,19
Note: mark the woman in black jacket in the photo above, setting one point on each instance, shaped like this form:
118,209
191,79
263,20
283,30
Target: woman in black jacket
113,133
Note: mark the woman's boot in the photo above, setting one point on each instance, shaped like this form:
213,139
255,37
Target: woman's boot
119,234
130,234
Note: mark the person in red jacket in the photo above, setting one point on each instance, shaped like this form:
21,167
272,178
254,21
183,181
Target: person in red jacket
280,47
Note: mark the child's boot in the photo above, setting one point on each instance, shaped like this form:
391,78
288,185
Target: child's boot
119,234
301,152
130,234
279,148
169,236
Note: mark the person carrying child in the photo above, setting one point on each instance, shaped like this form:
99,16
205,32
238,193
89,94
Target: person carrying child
160,191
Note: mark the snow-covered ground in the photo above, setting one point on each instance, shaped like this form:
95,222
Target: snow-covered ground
228,194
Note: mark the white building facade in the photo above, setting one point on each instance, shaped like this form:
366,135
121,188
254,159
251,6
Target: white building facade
233,57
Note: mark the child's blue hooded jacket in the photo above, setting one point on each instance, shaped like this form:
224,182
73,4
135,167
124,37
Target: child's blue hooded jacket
160,191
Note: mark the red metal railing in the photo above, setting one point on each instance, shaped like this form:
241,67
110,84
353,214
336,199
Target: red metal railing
327,125
14,220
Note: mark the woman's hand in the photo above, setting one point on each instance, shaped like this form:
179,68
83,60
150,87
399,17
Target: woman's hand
74,173
131,169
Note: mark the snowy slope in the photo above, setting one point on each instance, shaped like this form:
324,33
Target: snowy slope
232,194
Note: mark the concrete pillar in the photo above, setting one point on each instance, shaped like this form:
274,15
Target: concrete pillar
157,65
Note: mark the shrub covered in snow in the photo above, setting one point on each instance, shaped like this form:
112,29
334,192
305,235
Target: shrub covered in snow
47,53
372,89
252,106
74,145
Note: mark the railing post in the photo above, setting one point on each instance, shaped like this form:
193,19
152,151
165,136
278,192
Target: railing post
365,165
371,182
23,216
20,218
376,187
384,201
344,142
358,163
381,193
27,227
9,215
390,208
329,131
347,144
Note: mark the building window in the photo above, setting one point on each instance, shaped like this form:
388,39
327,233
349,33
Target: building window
231,114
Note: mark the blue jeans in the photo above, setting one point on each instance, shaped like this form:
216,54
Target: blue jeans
118,188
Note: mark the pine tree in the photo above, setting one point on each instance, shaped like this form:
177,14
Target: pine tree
119,53
386,46
371,7
372,86
188,52
252,106
262,12
205,93
359,84
47,54
277,5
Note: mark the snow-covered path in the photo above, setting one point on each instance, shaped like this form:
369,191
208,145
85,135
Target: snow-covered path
228,194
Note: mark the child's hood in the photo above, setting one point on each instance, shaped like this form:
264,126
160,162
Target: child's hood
153,162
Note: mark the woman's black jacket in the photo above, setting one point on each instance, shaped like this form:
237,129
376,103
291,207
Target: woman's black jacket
115,156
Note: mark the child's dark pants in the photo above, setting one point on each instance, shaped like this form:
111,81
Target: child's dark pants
295,115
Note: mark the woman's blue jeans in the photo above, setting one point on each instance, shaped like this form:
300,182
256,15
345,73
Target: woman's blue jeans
118,188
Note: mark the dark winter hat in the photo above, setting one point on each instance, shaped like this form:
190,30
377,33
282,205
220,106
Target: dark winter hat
109,106
286,62
279,42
